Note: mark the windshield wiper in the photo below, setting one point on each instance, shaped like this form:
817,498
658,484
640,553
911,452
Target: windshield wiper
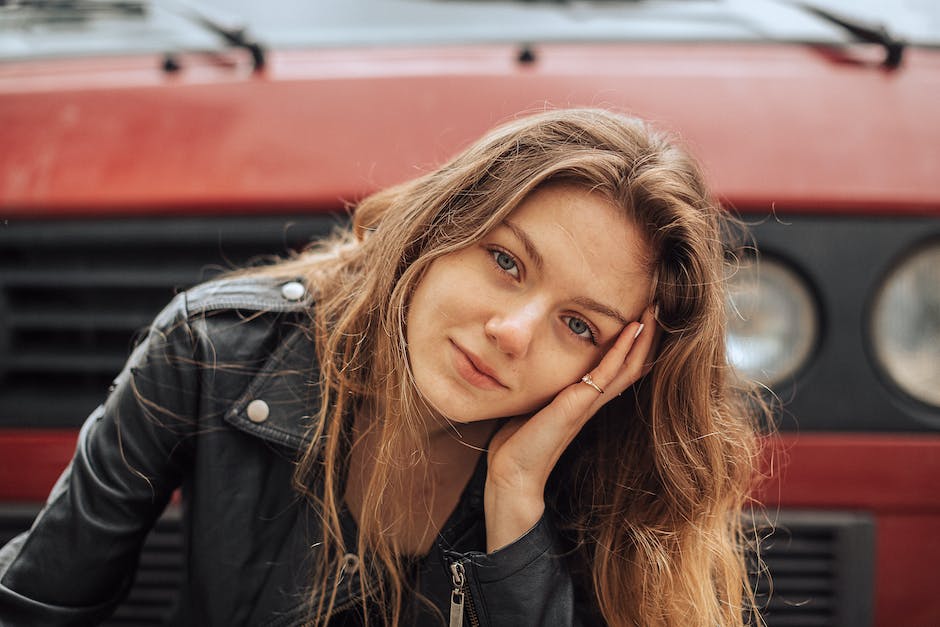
236,36
868,33
46,11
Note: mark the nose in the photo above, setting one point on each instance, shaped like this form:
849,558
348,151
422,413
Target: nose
513,328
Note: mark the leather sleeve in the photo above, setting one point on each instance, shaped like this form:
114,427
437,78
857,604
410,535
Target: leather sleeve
77,561
526,583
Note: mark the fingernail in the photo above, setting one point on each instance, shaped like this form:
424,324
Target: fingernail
638,331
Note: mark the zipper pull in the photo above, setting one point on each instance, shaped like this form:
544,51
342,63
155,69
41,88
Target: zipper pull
349,563
456,595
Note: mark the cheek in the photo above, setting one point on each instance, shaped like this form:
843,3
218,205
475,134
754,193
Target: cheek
426,295
435,302
450,286
558,367
546,383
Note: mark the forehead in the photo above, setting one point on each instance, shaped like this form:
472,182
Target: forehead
586,242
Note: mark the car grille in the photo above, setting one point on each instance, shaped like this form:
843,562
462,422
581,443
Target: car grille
820,563
74,293
819,570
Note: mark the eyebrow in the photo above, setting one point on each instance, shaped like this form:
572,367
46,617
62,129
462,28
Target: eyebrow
583,301
527,243
601,308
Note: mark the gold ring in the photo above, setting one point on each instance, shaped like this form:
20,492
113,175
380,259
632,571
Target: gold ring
587,379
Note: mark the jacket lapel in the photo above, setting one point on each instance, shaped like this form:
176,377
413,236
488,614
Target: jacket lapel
282,401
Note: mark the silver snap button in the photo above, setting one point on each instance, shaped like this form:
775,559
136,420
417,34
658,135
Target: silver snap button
350,563
293,290
258,411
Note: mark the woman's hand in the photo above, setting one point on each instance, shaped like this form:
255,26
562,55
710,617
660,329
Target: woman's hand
524,451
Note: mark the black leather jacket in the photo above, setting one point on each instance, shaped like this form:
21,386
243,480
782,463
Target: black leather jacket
225,370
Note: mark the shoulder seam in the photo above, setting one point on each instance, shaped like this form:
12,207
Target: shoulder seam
260,294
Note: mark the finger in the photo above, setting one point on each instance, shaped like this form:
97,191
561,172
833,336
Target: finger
637,360
633,340
653,351
613,361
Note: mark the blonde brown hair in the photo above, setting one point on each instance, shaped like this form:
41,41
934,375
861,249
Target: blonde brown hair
650,494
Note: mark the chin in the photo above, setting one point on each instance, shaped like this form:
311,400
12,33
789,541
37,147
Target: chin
464,417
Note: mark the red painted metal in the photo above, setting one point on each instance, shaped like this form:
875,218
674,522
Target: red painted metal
906,574
881,473
303,133
31,460
890,474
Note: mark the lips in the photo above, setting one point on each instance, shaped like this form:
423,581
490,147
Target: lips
473,370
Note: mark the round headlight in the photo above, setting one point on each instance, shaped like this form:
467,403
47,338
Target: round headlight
772,321
906,325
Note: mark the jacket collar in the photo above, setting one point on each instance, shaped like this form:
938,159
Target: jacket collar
283,399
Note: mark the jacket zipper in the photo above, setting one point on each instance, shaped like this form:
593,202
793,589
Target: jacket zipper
461,602
342,608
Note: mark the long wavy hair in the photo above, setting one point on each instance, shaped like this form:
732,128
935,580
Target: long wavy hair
650,494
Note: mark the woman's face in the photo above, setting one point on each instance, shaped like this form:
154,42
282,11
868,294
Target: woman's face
499,328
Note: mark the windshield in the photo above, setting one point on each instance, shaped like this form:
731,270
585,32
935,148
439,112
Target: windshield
41,29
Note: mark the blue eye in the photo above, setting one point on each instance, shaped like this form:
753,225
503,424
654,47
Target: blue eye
506,262
581,329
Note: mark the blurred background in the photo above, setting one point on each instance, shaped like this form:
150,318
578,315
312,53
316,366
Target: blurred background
147,146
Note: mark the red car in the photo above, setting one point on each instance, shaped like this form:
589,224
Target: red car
144,149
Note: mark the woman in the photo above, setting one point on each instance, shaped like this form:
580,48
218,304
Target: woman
502,398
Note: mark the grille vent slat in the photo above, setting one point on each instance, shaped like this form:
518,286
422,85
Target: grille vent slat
800,564
802,585
78,321
804,620
127,278
74,293
821,605
39,363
